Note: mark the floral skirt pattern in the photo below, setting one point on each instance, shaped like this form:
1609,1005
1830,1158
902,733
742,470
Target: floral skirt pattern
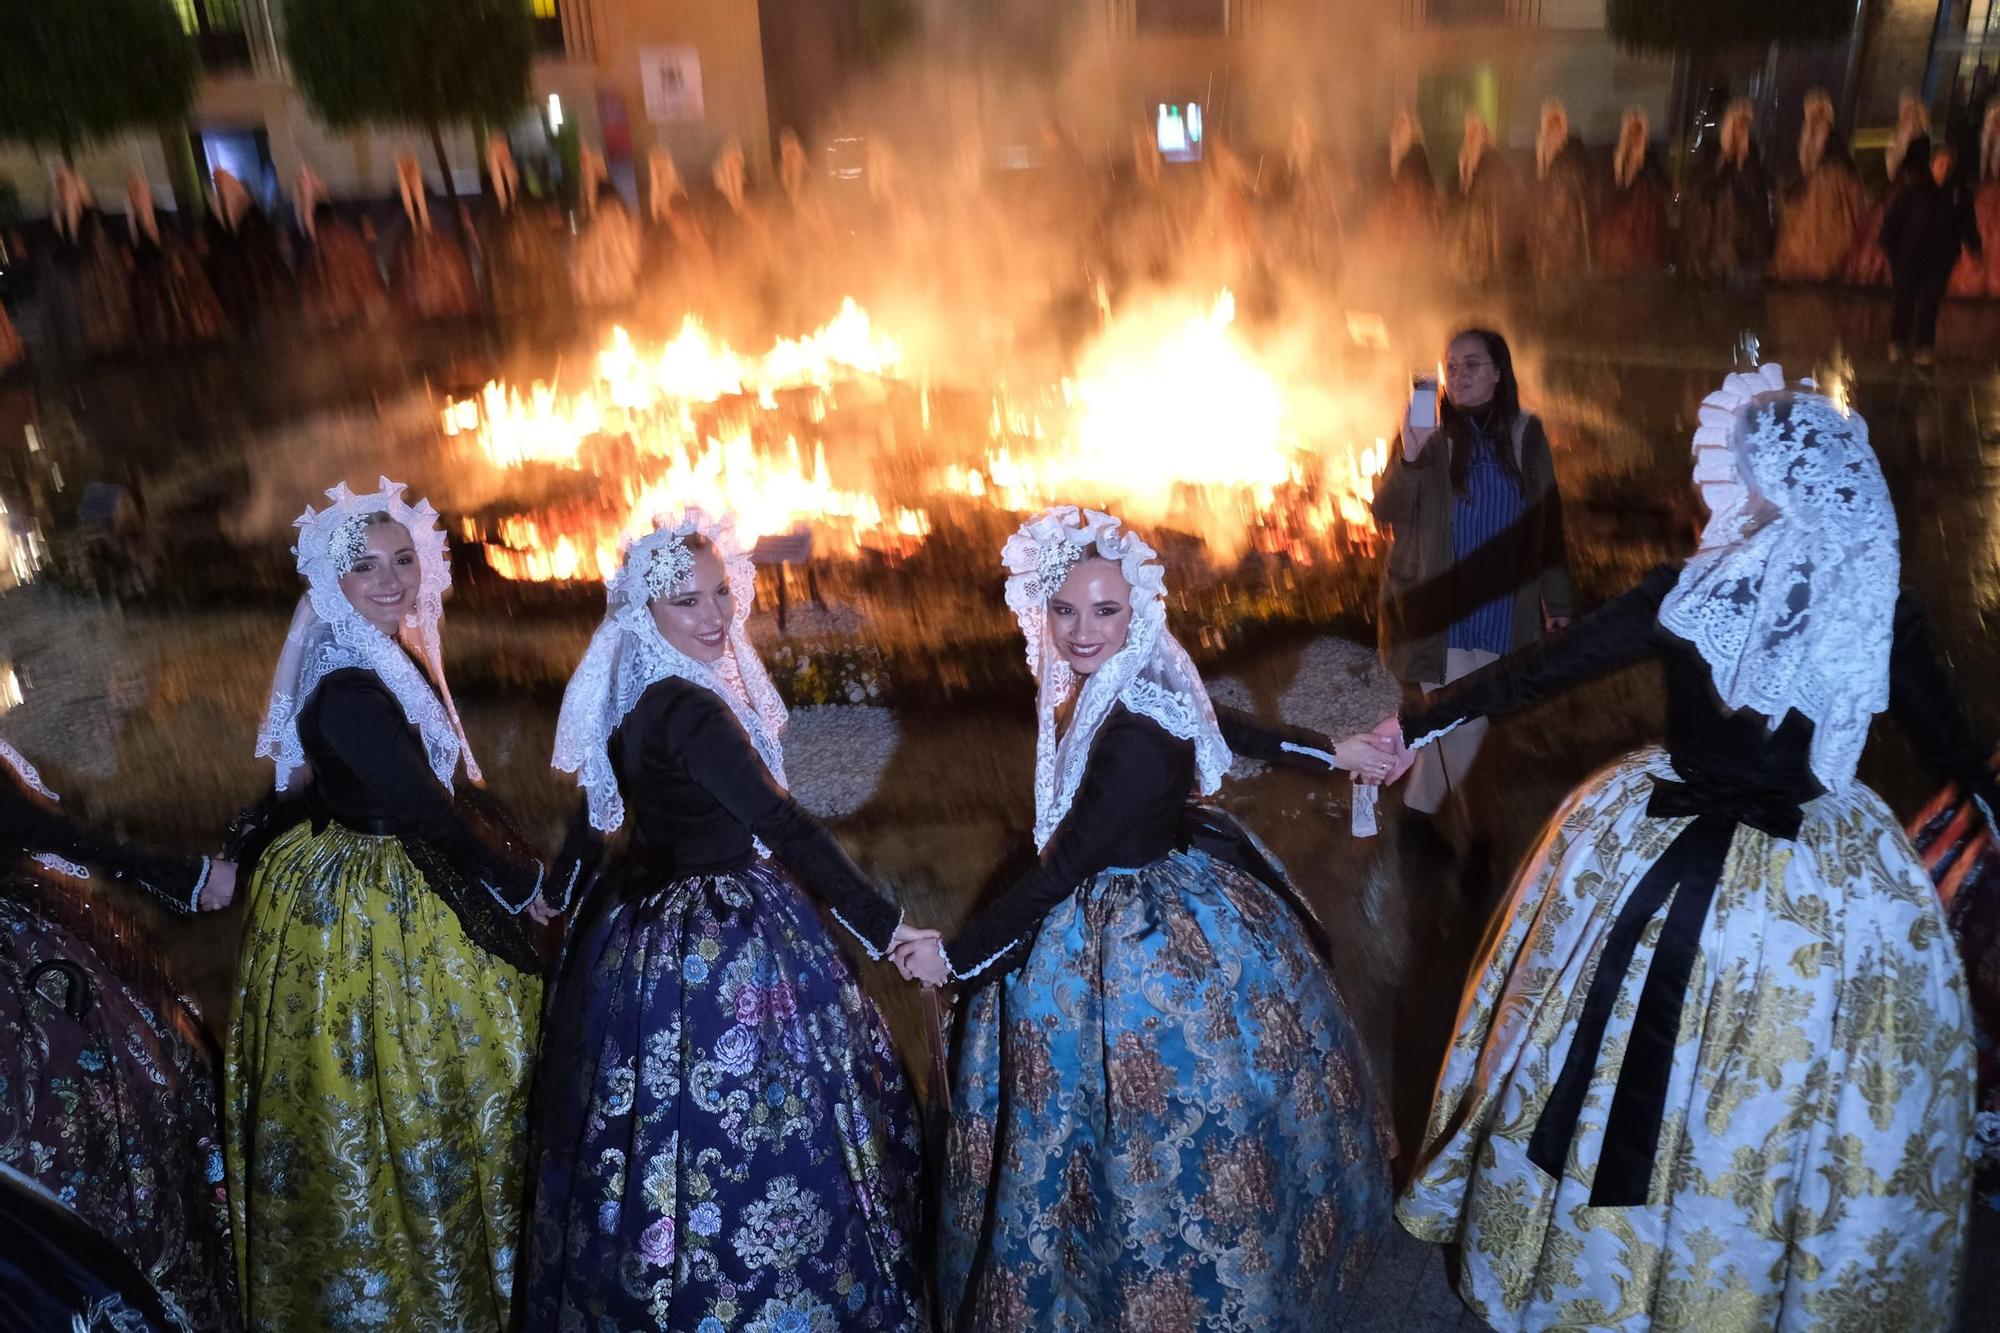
1162,1122
1811,1168
724,1138
377,1097
108,1101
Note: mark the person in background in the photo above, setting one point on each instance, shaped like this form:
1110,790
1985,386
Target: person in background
1930,221
1821,205
1632,233
1731,235
1477,565
1560,240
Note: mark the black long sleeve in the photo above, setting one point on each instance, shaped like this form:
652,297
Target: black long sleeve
1923,700
1619,632
721,759
582,852
360,721
1254,738
34,829
1136,771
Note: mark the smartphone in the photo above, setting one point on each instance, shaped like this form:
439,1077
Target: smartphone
1423,401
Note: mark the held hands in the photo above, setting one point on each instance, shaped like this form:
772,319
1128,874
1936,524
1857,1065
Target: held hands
220,890
919,955
1369,756
540,912
1390,729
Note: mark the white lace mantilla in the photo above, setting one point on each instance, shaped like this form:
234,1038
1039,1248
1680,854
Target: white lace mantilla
1151,675
327,634
628,655
1791,597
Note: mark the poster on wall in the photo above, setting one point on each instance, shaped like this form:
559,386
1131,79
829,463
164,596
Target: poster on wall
671,76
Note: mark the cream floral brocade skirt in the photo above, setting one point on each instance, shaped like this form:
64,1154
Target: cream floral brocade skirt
1812,1168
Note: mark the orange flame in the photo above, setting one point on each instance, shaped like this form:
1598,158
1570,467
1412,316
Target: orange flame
1170,418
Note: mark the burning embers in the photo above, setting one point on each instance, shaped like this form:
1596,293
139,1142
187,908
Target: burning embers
1170,419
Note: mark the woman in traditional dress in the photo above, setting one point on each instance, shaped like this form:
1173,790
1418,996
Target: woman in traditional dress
1731,232
526,271
89,299
340,281
1822,206
386,998
245,266
1632,234
1162,1114
1977,274
429,275
1715,1069
110,1077
606,263
1402,225
1482,223
724,1137
1560,240
1867,262
173,304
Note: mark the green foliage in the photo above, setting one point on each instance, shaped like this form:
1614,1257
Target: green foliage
415,62
76,71
1668,26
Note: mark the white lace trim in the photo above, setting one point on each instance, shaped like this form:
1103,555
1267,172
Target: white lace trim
61,865
867,945
327,634
1437,735
976,968
1791,597
628,655
200,883
1311,753
26,772
1151,675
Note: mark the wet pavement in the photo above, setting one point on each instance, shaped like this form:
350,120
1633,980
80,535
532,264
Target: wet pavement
142,669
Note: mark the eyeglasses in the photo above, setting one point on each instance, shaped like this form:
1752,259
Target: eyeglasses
1467,367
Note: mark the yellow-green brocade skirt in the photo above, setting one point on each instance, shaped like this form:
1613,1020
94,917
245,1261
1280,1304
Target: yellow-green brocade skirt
376,1098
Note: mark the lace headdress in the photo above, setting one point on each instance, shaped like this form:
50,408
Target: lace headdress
1151,675
329,635
1791,597
628,654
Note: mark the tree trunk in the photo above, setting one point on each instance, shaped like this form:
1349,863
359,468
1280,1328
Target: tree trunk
444,163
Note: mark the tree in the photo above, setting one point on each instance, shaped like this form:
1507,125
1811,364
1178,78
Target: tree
76,71
1671,27
427,63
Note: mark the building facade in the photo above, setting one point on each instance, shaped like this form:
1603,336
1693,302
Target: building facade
621,75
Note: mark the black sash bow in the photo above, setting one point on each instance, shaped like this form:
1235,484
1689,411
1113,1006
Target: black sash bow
1688,872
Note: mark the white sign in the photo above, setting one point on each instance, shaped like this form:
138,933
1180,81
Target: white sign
671,76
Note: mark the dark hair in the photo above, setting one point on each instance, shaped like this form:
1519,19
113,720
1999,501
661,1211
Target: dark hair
1496,416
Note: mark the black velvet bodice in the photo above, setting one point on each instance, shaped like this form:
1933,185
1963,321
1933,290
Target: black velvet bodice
1129,811
696,796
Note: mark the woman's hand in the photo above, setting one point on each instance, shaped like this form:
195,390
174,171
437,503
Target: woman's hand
919,956
540,912
1370,757
1414,440
220,890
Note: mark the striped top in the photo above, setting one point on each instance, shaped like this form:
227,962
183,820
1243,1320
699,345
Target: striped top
1491,505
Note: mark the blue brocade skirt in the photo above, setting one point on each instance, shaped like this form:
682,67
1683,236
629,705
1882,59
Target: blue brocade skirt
724,1137
1162,1121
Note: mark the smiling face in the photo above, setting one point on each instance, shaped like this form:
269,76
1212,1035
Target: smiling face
1090,615
694,618
382,582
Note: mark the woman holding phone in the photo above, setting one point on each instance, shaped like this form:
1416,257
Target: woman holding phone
1477,566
